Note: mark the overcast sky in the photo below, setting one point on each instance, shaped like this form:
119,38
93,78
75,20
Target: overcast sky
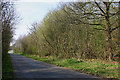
29,13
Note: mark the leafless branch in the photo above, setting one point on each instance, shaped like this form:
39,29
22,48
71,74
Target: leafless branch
100,29
114,28
46,40
100,8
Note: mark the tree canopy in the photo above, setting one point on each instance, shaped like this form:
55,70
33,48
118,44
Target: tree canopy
75,30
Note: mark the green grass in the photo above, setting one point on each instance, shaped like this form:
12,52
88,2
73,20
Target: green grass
99,68
7,71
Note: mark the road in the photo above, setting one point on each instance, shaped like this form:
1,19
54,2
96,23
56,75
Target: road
24,67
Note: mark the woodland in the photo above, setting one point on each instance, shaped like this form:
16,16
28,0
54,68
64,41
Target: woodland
81,30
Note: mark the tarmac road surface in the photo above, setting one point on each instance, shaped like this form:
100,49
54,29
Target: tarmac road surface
24,67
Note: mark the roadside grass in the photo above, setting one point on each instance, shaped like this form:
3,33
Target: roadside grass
7,71
99,68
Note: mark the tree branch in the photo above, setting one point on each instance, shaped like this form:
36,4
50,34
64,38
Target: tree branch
112,14
79,21
46,40
100,8
100,29
94,14
114,28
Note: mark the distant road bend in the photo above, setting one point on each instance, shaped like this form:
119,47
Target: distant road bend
24,67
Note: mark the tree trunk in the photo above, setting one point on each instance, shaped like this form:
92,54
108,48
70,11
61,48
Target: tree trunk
119,39
109,45
108,32
119,32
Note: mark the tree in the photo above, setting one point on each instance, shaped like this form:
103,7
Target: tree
119,32
76,30
8,21
98,14
0,29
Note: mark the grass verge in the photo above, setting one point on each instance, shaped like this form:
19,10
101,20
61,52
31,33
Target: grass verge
7,71
103,69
